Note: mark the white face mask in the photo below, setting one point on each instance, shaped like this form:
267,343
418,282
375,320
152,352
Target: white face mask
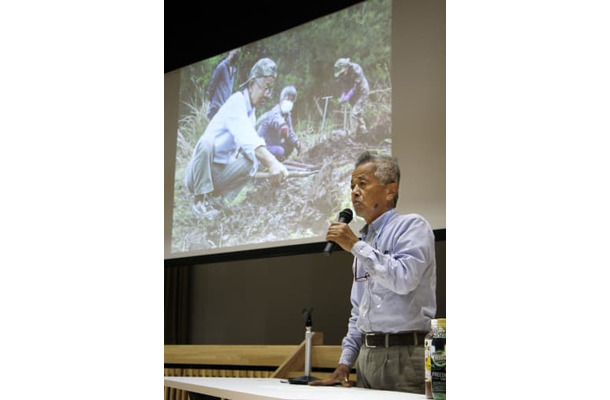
286,106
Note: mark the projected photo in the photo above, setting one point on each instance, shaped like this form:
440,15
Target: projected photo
268,133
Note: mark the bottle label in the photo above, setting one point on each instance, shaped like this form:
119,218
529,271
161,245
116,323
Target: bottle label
438,361
428,350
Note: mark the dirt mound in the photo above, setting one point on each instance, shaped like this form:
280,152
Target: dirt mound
299,208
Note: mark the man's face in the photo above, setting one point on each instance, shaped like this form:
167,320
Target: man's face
261,90
369,197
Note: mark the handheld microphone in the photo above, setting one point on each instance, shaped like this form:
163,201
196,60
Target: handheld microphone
344,216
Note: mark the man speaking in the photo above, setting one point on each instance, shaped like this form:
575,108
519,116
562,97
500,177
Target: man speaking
394,289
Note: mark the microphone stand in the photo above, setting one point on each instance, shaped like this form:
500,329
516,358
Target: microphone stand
308,351
303,380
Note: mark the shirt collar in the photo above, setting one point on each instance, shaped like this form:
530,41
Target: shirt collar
376,225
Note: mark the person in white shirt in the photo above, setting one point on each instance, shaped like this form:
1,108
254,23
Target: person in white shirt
228,153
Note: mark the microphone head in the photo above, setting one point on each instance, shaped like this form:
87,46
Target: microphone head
346,215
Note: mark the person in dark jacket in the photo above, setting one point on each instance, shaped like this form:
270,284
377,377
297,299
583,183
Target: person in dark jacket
221,84
275,126
354,90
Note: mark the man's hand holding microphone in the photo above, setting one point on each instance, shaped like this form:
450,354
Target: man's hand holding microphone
339,233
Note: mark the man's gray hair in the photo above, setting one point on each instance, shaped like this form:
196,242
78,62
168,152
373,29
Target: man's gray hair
387,169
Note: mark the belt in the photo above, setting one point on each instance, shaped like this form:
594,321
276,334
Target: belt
413,338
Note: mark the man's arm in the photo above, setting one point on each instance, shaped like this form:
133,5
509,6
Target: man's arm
277,170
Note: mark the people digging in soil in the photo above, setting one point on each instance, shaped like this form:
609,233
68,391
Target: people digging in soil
228,153
275,126
355,91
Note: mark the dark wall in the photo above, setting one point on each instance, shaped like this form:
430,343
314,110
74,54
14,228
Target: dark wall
260,301
195,31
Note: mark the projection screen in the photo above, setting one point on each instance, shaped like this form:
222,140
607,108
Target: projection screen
403,115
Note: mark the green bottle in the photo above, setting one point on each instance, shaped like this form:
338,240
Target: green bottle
438,360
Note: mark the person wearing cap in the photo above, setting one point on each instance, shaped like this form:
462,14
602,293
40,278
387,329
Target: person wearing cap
354,90
221,84
229,152
275,126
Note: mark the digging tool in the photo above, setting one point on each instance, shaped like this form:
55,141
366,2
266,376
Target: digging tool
326,98
291,174
300,165
295,170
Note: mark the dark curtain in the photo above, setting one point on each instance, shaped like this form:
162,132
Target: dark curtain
176,304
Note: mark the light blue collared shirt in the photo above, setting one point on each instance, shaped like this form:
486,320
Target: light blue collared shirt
397,252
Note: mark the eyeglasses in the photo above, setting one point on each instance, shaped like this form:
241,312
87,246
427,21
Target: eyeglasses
359,278
267,90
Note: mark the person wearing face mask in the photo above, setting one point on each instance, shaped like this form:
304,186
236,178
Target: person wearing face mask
275,126
229,152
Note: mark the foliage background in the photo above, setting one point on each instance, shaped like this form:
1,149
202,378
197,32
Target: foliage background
305,57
